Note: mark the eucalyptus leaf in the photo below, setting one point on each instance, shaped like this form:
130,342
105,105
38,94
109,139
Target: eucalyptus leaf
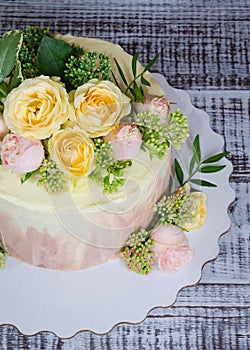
145,81
202,183
215,158
191,164
134,63
52,55
121,72
196,149
178,171
9,49
151,63
212,168
115,80
138,94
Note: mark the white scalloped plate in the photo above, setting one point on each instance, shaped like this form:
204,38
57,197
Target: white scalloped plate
35,299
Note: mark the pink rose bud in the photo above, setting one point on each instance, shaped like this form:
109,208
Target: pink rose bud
156,105
126,141
171,248
21,154
3,127
174,258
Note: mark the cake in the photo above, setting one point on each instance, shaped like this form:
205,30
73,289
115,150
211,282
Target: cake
81,227
86,138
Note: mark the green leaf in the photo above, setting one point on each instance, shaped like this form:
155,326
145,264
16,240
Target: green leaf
16,77
52,55
202,183
145,81
134,63
178,171
215,158
211,169
196,149
138,94
192,163
26,176
4,89
115,80
151,63
121,72
9,49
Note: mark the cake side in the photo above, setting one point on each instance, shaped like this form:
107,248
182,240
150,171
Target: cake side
77,230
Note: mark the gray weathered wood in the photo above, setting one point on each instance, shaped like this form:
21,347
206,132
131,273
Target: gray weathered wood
204,48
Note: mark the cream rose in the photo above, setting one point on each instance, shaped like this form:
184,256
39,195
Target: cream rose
199,212
73,151
36,108
98,106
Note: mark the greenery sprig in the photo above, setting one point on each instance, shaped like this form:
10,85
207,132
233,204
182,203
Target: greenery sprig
175,209
197,165
108,172
137,253
177,127
154,134
51,177
114,178
158,135
135,86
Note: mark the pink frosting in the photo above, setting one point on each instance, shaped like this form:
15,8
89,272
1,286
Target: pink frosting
21,154
126,141
171,248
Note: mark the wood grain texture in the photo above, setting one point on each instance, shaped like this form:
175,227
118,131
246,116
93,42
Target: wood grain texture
204,48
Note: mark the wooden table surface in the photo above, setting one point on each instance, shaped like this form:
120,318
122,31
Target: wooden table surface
204,47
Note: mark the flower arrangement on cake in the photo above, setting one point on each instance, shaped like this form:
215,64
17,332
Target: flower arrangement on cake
66,114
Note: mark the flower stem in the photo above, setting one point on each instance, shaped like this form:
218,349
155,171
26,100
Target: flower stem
135,78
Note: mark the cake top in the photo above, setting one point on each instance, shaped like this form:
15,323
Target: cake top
73,109
77,107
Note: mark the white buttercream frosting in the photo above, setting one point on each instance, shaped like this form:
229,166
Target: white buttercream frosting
81,227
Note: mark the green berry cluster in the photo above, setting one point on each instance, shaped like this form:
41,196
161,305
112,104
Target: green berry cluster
108,172
79,70
154,134
137,254
32,38
3,255
177,128
103,158
51,177
175,209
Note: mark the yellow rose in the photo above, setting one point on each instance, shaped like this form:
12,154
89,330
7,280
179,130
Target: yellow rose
36,108
199,212
73,151
98,106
